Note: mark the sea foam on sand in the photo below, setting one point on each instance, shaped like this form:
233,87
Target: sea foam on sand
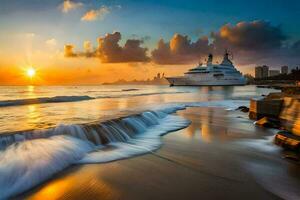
28,159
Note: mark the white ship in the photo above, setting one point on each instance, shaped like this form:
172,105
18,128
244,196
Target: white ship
210,74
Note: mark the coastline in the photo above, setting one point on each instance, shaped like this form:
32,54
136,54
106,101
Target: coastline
190,164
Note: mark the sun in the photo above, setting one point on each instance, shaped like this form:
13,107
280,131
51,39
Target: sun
30,72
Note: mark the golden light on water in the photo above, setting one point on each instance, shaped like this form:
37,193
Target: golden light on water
30,72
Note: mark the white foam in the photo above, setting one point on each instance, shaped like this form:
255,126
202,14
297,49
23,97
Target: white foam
28,163
264,145
143,143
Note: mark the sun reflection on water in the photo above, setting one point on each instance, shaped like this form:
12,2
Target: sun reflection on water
31,91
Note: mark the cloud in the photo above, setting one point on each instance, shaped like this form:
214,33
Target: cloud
256,42
69,50
109,50
255,35
88,49
253,42
180,50
87,45
98,14
51,42
69,5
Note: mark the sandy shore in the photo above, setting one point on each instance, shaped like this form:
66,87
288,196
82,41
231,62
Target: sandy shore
221,155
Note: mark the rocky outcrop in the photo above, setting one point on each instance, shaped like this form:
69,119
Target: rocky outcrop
277,106
265,107
268,122
280,110
290,114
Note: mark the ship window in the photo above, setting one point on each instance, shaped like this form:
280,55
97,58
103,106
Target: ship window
218,75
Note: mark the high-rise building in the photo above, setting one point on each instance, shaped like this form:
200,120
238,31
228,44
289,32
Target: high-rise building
274,72
258,72
284,70
261,71
265,71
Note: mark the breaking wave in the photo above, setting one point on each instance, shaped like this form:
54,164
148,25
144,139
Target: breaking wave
56,99
60,99
31,157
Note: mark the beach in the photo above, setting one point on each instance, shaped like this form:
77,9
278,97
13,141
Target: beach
221,155
141,142
108,100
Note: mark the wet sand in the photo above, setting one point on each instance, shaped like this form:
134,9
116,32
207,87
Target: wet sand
221,155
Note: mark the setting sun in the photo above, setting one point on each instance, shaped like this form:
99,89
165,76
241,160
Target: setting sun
206,94
30,72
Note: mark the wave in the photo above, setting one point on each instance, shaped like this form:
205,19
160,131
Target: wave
140,94
26,164
56,99
122,90
31,157
60,99
130,89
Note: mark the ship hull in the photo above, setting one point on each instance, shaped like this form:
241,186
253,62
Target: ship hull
183,81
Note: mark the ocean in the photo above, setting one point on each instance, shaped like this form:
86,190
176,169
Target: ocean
45,129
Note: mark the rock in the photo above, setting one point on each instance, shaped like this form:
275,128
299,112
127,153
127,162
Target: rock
243,109
268,122
288,140
290,114
265,108
292,157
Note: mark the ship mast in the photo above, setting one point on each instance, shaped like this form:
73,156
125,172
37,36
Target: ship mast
226,60
210,59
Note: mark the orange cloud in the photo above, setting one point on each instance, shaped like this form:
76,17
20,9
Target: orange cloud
109,50
69,5
98,14
255,42
180,50
255,35
87,46
251,42
69,50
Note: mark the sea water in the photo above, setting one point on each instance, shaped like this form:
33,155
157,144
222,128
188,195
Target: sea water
43,130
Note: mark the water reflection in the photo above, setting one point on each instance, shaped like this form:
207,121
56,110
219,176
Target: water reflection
54,191
32,117
76,185
31,91
209,123
39,115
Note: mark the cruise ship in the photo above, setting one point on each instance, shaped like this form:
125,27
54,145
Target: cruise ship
210,74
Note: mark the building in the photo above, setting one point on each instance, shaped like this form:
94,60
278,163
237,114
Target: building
159,76
265,70
274,73
284,70
261,71
258,72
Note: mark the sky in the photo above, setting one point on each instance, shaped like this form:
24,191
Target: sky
96,41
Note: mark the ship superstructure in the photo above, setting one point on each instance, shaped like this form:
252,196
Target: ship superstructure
210,74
